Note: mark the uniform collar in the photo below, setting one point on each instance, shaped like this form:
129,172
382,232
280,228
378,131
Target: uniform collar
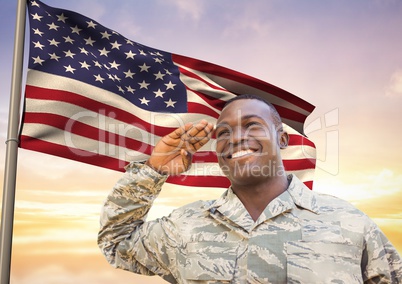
297,194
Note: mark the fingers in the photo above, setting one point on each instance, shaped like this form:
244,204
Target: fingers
190,136
198,135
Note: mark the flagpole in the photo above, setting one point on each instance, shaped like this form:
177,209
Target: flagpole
10,170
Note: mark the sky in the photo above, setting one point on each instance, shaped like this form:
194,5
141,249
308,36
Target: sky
342,56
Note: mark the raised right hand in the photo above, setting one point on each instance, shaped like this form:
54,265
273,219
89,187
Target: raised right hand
172,155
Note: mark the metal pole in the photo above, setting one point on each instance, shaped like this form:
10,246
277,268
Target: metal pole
10,171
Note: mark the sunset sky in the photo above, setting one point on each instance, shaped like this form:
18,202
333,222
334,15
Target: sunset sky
342,56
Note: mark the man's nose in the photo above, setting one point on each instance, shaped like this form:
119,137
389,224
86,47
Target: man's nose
238,134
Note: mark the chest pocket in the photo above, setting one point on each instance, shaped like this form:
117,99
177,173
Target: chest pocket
319,262
210,262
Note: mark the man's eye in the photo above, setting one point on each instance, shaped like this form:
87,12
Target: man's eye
222,133
252,124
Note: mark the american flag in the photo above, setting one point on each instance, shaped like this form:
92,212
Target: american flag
94,96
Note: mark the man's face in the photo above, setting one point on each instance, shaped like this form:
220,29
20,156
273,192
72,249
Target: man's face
247,142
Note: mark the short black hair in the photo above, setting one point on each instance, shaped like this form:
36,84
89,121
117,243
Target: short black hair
275,115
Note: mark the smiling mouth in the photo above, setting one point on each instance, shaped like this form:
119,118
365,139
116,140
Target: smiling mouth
240,153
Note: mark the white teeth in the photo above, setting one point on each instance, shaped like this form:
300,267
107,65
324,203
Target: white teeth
241,153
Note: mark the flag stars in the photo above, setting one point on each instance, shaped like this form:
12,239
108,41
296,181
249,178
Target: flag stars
170,85
69,69
144,101
130,90
129,74
158,60
61,18
69,54
75,30
83,50
53,42
33,3
116,78
98,78
54,56
159,75
89,41
53,26
170,103
120,89
168,72
114,65
106,35
110,76
36,17
91,24
129,54
38,32
38,45
142,52
97,64
68,39
115,45
144,85
103,52
85,65
38,60
144,67
159,93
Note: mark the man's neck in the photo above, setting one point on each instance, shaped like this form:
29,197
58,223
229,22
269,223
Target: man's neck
256,197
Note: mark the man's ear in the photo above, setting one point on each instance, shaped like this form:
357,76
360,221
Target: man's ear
283,139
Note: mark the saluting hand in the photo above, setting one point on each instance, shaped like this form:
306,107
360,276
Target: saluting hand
172,155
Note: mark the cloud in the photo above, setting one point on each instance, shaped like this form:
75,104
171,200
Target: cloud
394,87
192,8
378,195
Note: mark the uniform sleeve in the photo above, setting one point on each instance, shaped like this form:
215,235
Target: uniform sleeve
126,240
381,262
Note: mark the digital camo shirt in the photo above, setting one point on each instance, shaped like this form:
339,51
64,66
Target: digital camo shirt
301,237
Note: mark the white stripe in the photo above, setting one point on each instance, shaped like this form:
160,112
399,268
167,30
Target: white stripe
242,88
198,85
295,152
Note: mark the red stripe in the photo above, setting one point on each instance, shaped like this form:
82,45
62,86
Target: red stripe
298,164
112,163
309,184
79,155
223,72
290,114
85,130
199,108
295,139
95,106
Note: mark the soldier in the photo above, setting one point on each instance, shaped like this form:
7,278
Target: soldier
268,227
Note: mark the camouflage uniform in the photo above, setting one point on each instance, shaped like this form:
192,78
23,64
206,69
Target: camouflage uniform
301,237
